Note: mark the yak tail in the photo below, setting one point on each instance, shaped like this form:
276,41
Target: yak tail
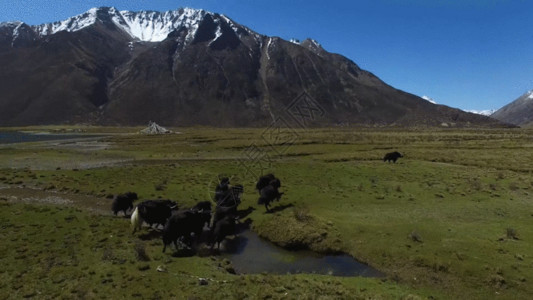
136,220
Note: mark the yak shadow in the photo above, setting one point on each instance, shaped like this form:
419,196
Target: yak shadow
279,208
245,212
183,252
240,227
151,234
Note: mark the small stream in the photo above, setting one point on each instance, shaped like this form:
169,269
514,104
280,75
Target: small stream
250,254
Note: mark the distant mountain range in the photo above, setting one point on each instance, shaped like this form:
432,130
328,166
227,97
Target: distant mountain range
484,112
191,67
519,112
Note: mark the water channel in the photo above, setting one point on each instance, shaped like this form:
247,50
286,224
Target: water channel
250,254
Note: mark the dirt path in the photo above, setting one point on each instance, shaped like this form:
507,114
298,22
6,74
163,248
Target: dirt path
97,205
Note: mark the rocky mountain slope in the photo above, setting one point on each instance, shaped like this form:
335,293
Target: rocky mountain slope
519,112
191,67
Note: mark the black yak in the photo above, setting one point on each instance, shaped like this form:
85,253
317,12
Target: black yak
222,211
203,206
392,156
222,228
266,180
268,186
152,212
183,223
269,194
123,202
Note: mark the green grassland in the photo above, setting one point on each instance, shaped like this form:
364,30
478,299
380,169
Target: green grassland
452,219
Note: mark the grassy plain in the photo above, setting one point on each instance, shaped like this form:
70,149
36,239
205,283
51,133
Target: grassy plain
452,219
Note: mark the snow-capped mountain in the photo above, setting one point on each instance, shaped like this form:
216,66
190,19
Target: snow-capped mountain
518,112
484,112
190,67
147,26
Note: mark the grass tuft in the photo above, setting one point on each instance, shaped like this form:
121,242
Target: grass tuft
140,251
301,213
415,237
511,234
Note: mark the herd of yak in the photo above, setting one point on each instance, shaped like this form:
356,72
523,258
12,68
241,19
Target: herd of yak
187,225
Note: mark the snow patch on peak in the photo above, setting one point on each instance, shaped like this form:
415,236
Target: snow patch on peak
237,28
315,43
428,99
295,41
232,24
268,47
148,26
16,30
71,24
93,10
151,26
11,24
218,33
529,95
310,43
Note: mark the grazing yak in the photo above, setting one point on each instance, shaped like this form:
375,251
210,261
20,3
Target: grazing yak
123,202
266,180
152,212
183,223
392,156
222,211
268,192
222,228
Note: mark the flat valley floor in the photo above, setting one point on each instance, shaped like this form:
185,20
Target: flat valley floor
451,219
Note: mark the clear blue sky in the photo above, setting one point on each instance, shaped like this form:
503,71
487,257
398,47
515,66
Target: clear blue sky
470,54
